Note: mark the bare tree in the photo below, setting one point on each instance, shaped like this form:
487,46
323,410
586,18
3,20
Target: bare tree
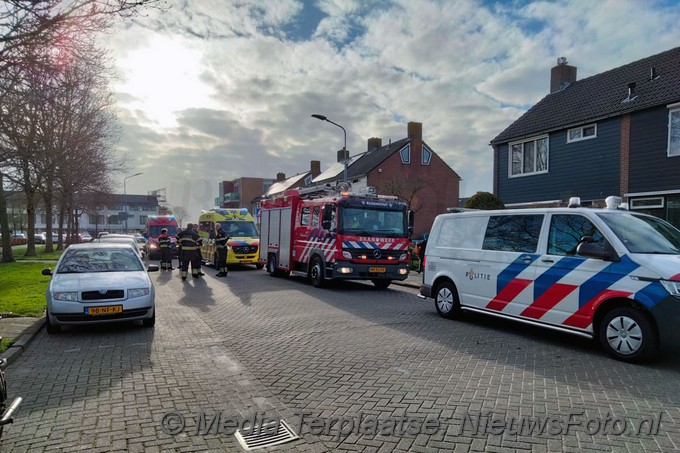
406,189
180,213
37,39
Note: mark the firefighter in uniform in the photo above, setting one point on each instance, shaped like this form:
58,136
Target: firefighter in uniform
188,240
164,243
221,238
198,259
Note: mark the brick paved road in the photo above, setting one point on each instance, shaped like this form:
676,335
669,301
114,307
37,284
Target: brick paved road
252,343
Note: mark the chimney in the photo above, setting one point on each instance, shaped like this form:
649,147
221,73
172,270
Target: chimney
315,168
415,130
280,177
562,75
374,143
343,155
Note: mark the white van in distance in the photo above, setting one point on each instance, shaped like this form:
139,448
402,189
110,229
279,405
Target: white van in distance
607,274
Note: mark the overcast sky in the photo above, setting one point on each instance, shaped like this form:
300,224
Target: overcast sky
213,90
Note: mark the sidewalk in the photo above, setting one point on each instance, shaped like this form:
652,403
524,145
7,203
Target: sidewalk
414,280
22,330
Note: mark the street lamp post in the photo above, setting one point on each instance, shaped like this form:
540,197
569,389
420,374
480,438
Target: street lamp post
125,198
344,147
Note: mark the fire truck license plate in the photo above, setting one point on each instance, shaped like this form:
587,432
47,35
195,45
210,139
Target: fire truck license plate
377,269
105,310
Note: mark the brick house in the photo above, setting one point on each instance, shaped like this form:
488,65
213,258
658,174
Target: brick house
615,133
408,168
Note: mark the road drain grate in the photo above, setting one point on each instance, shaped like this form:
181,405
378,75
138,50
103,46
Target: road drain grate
266,435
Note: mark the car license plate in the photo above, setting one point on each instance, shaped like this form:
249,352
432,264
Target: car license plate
105,310
377,269
245,261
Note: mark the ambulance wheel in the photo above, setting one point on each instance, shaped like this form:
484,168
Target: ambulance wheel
628,334
316,273
259,266
446,300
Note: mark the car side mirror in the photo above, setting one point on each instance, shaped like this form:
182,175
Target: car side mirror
588,248
152,268
47,271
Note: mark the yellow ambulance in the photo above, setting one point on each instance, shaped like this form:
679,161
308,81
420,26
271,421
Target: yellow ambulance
244,238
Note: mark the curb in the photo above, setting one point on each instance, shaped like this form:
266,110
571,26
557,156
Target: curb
24,339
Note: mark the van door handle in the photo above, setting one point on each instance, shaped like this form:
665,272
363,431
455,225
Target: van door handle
527,259
548,260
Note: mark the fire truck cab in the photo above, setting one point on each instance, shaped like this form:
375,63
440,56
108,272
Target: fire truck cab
325,235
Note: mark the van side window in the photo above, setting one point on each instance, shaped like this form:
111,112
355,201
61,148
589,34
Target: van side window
565,232
462,232
513,233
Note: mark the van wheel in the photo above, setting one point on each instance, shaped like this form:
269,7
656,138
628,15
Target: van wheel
629,335
446,300
316,273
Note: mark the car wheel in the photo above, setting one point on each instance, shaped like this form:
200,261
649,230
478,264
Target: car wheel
381,284
628,334
150,322
446,300
51,328
316,273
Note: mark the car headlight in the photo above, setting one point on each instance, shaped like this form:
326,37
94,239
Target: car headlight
70,297
138,292
672,286
154,246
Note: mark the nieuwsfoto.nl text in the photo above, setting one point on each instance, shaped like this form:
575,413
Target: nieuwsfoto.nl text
469,423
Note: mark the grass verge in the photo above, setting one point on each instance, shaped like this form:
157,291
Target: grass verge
22,288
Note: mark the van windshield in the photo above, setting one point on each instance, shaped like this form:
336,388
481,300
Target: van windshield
643,233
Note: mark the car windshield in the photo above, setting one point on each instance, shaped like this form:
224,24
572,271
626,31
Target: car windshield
155,231
240,229
99,260
643,233
373,222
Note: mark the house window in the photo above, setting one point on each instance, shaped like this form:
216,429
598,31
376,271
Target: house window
582,133
427,155
646,203
405,154
529,157
674,132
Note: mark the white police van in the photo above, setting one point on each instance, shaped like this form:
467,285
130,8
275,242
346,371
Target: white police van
608,274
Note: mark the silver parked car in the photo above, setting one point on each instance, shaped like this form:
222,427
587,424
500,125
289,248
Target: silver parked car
99,282
125,239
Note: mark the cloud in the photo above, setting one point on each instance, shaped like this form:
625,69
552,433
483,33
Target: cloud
215,90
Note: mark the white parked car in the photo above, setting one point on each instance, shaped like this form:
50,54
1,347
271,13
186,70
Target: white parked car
98,283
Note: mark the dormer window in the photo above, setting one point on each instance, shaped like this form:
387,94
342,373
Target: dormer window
427,155
582,133
405,154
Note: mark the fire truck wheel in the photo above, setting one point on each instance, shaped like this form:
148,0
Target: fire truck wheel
381,284
446,300
316,273
271,265
628,334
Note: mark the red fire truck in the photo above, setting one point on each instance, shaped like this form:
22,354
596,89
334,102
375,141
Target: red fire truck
154,225
326,235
